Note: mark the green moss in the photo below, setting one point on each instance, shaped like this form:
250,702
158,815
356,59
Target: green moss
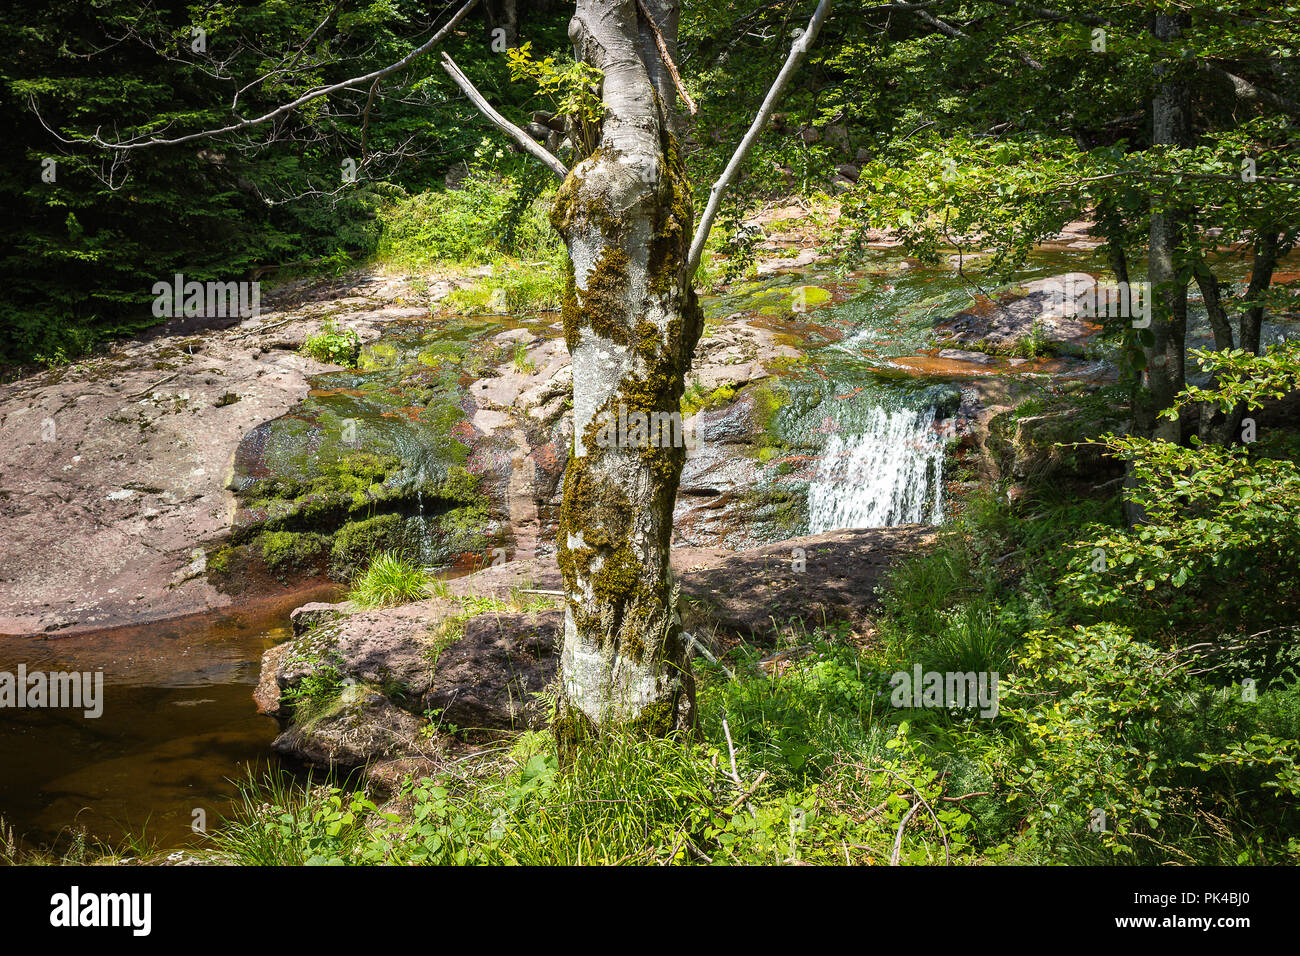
570,312
656,720
355,542
461,485
673,230
603,299
288,550
219,561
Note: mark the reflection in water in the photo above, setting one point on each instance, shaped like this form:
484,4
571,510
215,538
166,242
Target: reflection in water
178,723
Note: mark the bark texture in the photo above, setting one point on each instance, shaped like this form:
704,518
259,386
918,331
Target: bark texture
1171,126
631,323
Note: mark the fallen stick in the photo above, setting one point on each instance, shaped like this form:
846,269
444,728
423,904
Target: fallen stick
161,381
898,837
748,793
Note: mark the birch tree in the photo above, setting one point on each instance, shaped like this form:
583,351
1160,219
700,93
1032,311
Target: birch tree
631,322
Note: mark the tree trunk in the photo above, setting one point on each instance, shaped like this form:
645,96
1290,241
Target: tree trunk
1171,125
1216,425
631,322
504,14
1165,355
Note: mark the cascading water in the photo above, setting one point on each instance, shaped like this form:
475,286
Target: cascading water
888,471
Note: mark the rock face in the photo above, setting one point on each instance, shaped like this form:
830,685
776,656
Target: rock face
488,671
368,728
1050,314
113,472
1055,443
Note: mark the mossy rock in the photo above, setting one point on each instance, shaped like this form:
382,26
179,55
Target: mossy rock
1054,442
286,551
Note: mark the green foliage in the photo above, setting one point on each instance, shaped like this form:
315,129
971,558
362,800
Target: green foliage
1182,769
1217,522
497,210
513,287
333,345
389,579
572,87
319,692
1241,378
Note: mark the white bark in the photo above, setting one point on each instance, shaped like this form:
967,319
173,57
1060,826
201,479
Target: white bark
631,324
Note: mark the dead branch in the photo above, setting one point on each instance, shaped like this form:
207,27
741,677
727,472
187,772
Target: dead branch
538,151
315,94
798,50
668,60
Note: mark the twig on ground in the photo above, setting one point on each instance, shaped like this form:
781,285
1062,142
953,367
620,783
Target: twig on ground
898,837
161,381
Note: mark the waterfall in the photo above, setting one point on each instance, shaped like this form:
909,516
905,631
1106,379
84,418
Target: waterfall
888,471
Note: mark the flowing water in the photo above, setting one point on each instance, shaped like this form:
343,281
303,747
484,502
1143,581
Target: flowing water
889,473
179,722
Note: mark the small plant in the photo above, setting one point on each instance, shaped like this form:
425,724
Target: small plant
573,87
523,364
1035,344
333,345
315,695
390,579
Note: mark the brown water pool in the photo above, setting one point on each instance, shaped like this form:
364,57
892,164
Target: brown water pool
178,726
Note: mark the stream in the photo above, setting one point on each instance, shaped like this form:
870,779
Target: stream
179,723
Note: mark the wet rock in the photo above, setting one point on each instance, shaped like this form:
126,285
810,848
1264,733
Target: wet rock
961,355
267,693
310,616
1047,313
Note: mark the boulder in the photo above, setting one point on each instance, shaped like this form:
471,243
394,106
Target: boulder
489,678
371,727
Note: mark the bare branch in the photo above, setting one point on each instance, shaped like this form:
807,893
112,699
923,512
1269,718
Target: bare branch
1248,92
315,94
797,52
668,60
948,30
527,142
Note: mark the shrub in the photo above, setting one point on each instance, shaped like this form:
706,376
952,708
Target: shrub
333,345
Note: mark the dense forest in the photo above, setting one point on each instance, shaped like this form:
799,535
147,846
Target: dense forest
918,483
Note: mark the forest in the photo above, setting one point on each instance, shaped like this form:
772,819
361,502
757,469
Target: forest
650,432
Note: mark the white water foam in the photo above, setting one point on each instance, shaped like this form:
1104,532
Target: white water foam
889,473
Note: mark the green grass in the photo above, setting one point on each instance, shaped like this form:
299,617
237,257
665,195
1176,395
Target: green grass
389,579
514,287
